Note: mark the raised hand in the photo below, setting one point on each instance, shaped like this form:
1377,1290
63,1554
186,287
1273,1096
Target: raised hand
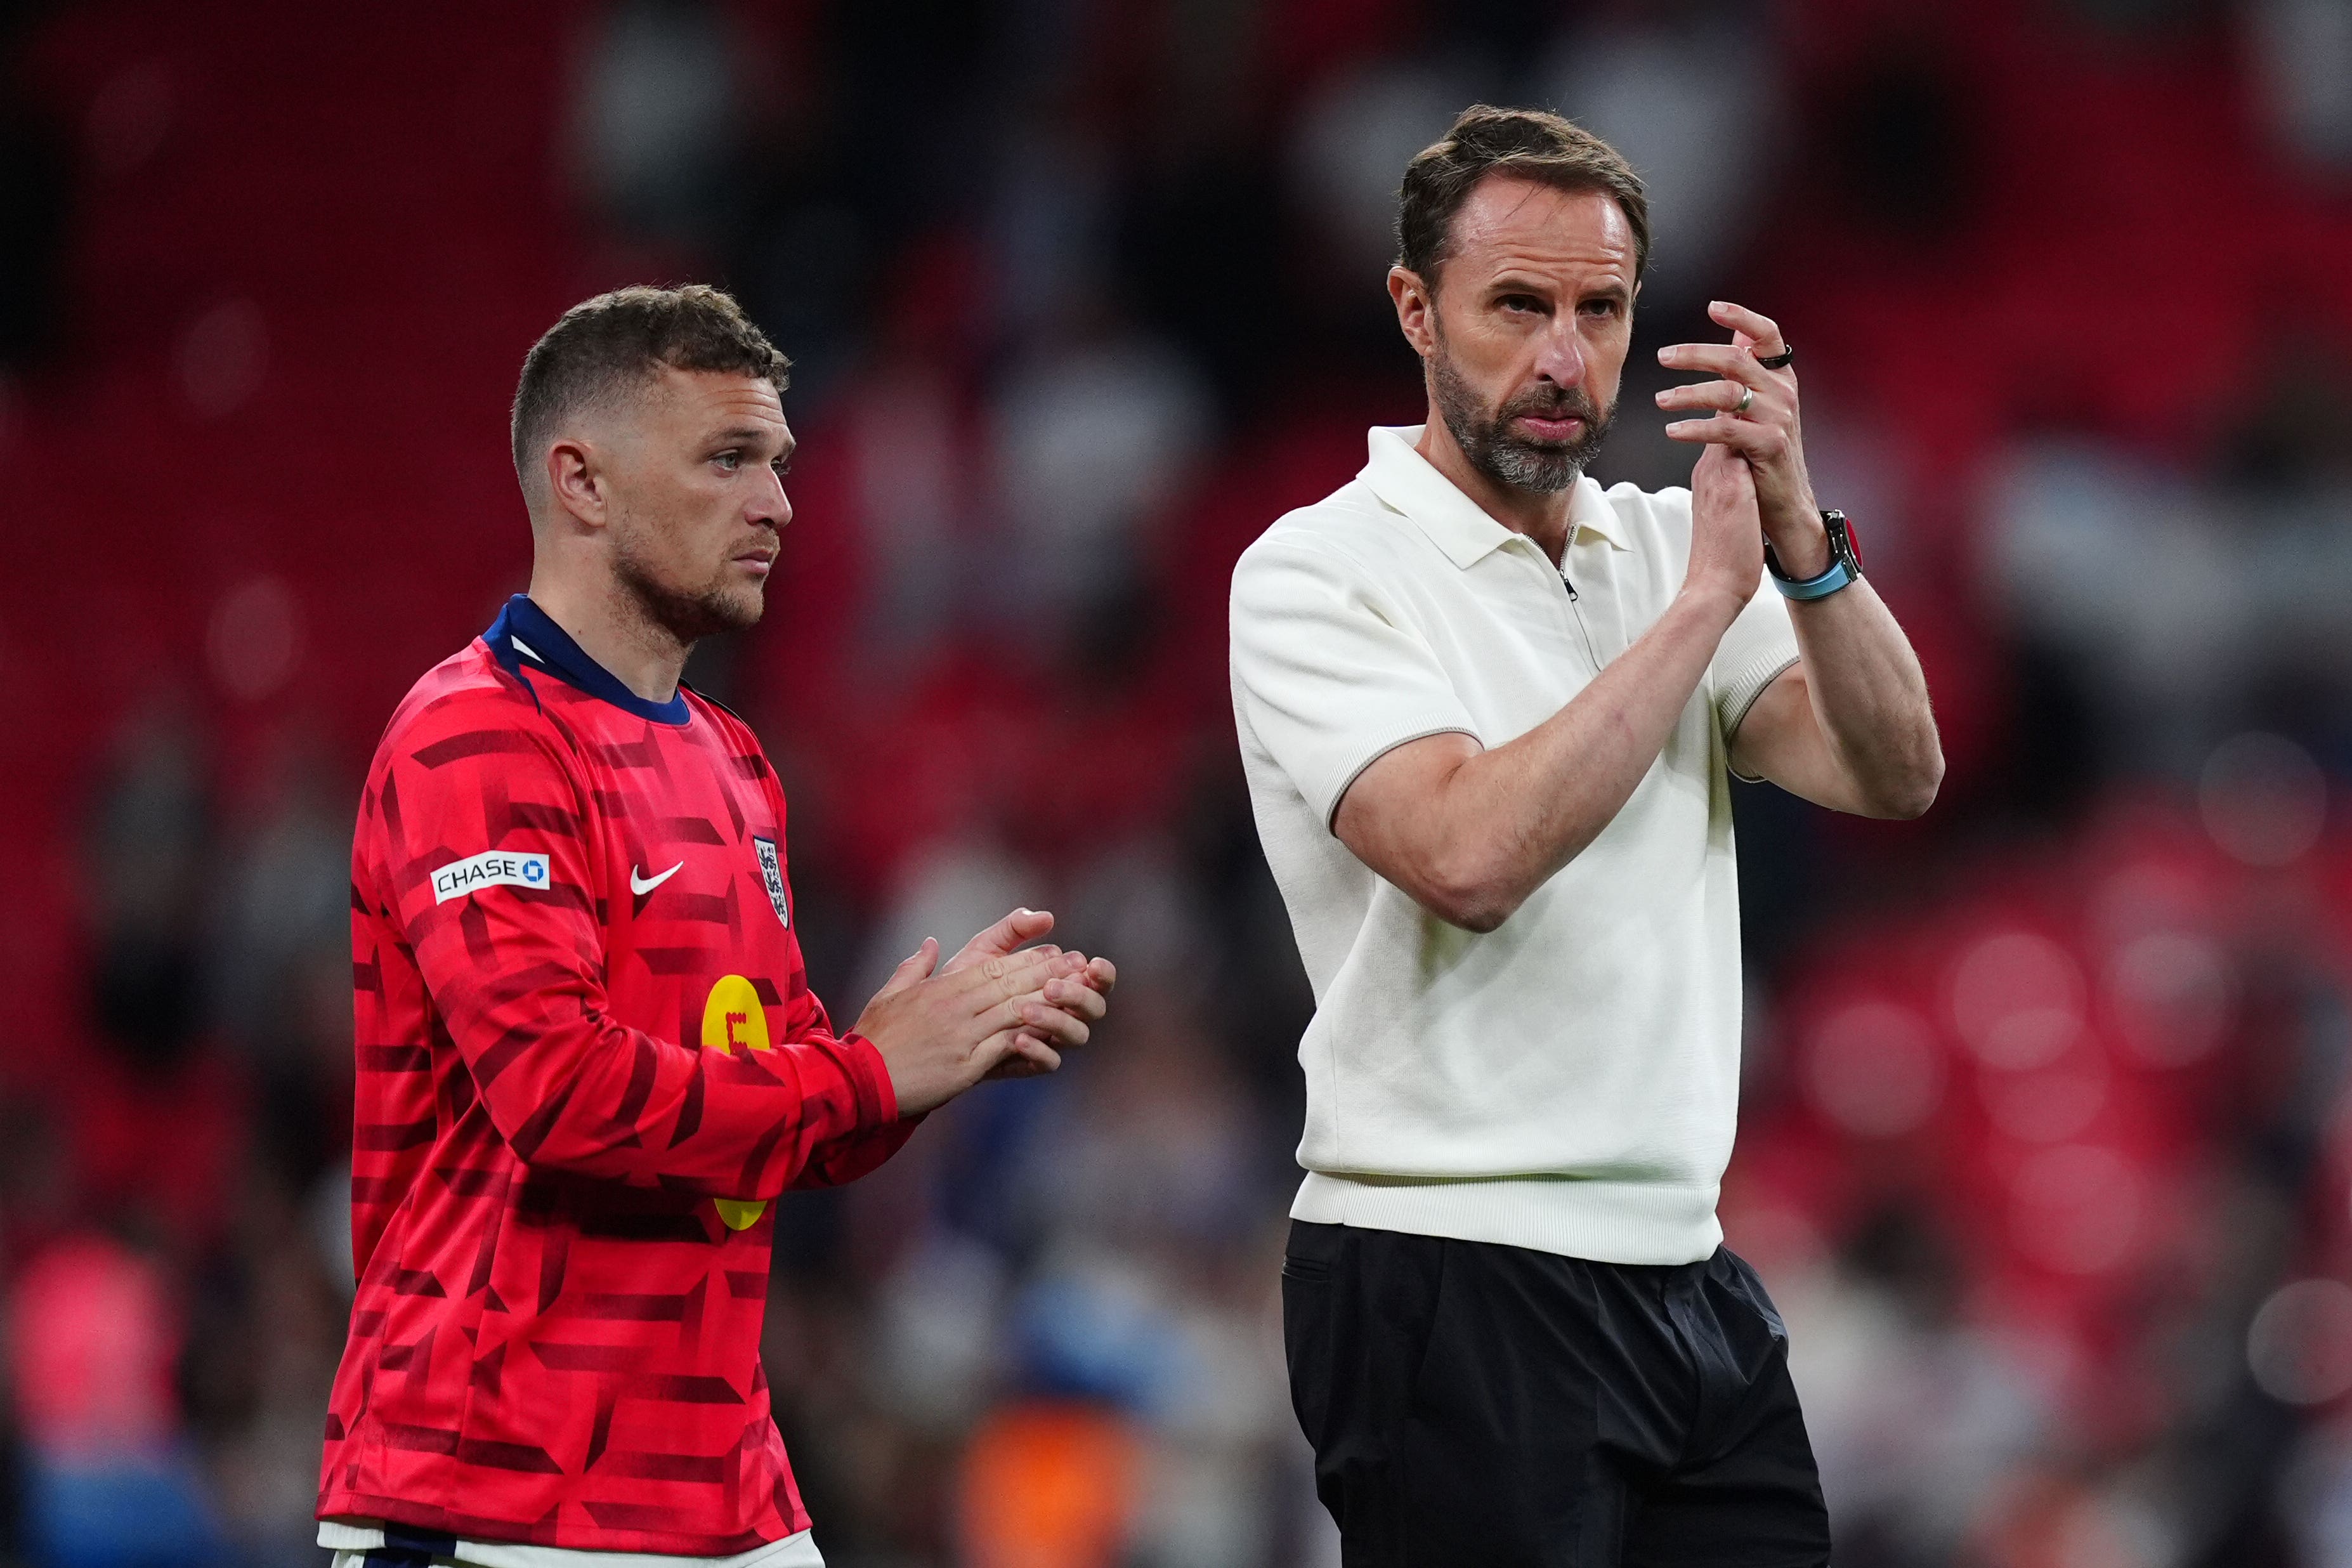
1753,411
1727,541
1007,935
994,1010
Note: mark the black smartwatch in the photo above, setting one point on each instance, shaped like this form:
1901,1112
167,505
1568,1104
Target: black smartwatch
1846,563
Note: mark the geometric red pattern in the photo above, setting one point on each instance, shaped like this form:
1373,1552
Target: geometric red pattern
555,1338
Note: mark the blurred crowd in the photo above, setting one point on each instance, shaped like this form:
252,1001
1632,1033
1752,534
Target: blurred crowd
2043,1149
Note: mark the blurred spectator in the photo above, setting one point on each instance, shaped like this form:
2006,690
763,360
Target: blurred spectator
656,113
2301,52
1916,1413
1051,1487
1091,429
110,1483
1690,94
2193,608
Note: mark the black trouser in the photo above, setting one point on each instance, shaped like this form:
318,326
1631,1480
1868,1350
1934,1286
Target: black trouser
1477,1405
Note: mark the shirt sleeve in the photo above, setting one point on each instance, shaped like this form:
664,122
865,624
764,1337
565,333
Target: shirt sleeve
515,972
1327,674
848,1156
1759,645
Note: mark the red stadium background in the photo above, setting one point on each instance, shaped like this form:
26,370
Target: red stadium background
2044,1143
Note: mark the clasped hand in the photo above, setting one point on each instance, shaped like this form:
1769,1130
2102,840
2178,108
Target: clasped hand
996,1009
1766,433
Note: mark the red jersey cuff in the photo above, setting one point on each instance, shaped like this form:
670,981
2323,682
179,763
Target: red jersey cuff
877,1102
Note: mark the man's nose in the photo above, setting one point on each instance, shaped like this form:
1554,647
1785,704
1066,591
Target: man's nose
769,505
1562,358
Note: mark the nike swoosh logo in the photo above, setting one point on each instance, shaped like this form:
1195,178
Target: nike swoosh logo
641,886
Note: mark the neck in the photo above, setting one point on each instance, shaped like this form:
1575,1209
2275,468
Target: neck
612,629
1541,515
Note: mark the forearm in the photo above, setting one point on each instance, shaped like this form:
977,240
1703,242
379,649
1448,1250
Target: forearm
1869,703
571,1088
1508,819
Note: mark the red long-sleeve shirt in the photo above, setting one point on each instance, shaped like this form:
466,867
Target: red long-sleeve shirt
588,1055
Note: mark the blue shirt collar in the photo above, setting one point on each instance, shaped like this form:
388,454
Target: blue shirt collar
525,637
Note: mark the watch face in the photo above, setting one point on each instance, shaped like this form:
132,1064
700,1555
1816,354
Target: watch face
1845,527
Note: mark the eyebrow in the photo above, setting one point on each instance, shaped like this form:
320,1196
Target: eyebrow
750,435
1520,283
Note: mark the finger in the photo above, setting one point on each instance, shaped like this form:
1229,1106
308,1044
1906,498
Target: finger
1762,332
1067,965
1102,974
1726,360
914,969
1720,465
1001,975
1023,1058
1076,998
1758,443
1020,1053
1015,931
1723,396
1042,1019
1013,1068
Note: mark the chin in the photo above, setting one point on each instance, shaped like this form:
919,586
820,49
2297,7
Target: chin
737,607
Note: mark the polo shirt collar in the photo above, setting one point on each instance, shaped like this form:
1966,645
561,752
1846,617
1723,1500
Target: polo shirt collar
1457,525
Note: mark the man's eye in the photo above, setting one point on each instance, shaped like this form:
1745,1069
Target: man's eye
1600,307
1522,302
730,461
783,465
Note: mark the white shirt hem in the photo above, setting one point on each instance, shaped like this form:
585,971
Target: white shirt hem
1602,1221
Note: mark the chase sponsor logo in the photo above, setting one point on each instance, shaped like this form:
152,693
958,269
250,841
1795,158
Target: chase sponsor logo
494,869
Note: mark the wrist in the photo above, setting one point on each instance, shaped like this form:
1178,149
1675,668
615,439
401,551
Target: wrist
1841,570
1716,605
1802,546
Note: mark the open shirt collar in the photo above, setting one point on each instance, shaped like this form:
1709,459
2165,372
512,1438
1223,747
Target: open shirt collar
1457,525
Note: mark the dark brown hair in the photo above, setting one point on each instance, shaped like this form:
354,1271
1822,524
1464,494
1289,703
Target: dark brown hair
619,342
1525,144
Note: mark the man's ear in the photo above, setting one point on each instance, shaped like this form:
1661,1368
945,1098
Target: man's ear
1415,308
575,480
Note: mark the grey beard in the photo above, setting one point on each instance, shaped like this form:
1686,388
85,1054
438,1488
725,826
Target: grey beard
1513,462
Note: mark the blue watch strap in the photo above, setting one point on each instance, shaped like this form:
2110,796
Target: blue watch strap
1820,587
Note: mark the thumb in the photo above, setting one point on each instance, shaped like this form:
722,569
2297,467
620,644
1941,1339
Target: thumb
916,968
1008,936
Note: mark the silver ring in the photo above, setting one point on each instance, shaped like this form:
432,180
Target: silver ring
1747,400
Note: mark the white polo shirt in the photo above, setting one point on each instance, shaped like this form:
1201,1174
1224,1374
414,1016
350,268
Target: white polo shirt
1568,1081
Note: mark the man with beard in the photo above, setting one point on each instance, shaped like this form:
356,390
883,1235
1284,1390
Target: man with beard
589,1059
1488,712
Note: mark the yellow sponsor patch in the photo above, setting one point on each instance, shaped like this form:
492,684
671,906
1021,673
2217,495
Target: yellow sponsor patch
732,1021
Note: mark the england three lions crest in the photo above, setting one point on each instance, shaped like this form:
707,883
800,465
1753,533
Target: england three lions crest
772,873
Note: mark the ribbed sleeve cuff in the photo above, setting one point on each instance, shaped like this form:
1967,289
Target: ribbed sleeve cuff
1405,734
1740,693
